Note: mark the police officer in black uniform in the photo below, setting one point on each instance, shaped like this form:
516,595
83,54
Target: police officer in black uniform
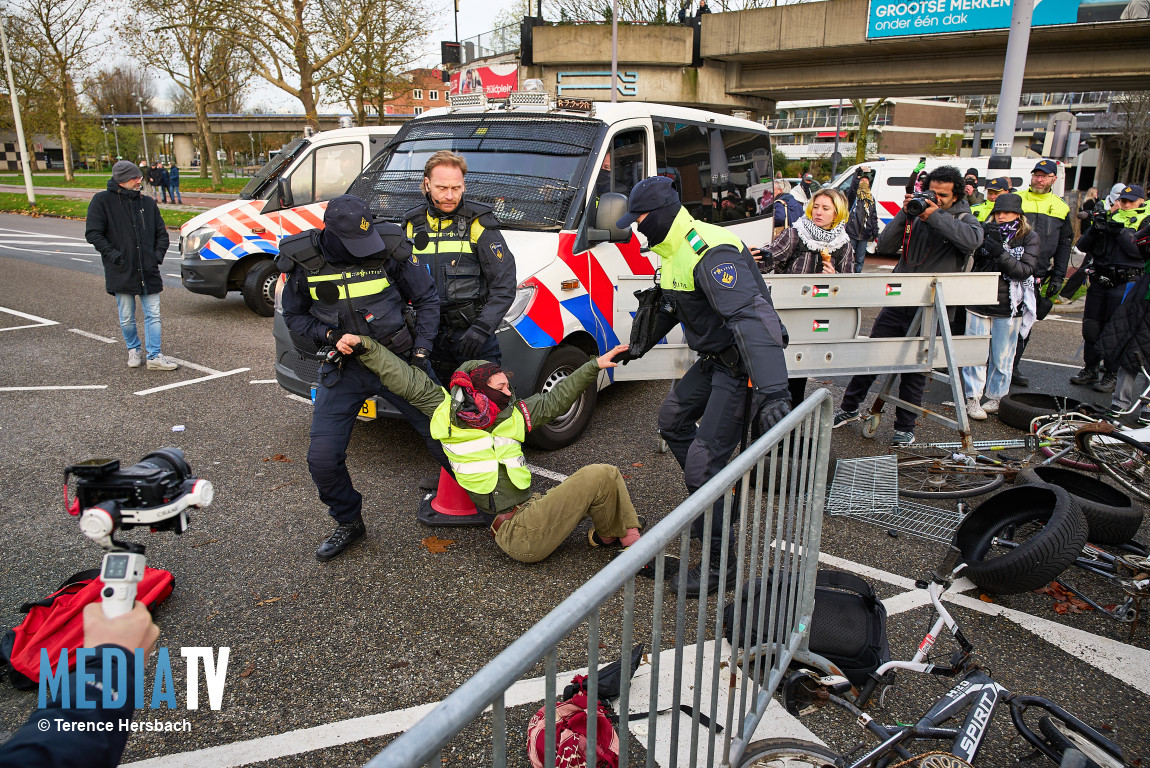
711,285
473,268
1117,262
354,277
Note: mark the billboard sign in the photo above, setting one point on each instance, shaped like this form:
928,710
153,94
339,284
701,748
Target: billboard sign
902,18
496,81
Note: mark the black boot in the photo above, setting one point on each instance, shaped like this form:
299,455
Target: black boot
1018,380
340,539
430,483
1107,383
1086,377
694,577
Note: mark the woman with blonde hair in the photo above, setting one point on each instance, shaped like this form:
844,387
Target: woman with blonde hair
1010,248
816,244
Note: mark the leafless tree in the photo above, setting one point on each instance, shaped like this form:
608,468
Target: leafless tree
368,73
866,113
115,90
191,42
295,44
1133,138
64,33
651,11
37,102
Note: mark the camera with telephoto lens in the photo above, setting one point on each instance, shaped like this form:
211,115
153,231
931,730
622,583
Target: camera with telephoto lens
917,203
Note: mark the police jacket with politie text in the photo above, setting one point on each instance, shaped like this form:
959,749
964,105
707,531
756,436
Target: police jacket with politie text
1049,217
716,291
469,260
414,386
370,295
128,231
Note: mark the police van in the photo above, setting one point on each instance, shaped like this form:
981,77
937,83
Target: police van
233,246
892,175
541,164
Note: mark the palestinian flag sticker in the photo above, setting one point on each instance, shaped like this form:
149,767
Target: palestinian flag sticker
820,326
821,291
894,289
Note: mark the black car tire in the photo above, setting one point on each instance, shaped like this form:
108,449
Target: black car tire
563,431
1110,514
1019,409
259,289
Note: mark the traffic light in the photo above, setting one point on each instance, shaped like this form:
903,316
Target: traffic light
1037,142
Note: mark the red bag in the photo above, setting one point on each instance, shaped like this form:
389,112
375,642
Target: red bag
57,622
571,736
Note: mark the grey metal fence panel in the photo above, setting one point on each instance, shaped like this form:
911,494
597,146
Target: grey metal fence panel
773,495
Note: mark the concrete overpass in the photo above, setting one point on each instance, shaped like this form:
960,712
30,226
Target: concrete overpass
747,60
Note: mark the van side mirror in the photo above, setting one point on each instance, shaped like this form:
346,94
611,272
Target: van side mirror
612,207
283,192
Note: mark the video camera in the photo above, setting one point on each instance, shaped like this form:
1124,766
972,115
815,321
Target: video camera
918,202
1098,215
157,492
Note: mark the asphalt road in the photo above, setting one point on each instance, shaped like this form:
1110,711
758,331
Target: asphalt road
391,626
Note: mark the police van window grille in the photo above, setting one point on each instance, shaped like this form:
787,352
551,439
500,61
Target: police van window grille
526,202
572,132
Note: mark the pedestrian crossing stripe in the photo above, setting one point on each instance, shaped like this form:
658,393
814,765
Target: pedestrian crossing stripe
820,326
894,289
821,291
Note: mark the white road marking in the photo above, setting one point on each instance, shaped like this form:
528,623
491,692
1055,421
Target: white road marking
1048,362
80,244
190,381
1063,320
40,321
26,233
169,274
38,389
86,261
200,368
262,381
556,476
299,399
93,336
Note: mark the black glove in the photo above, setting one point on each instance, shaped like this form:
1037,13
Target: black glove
334,335
419,354
773,412
993,247
471,342
1053,286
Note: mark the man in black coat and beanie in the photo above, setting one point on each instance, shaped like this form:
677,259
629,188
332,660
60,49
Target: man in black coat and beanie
128,231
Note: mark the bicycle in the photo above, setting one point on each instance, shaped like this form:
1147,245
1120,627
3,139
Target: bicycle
976,693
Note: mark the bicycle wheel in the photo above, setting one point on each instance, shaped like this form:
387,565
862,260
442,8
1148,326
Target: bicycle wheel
1120,456
1043,523
1060,737
1060,434
934,473
787,753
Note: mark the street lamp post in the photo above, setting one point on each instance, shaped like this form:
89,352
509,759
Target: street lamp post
252,142
116,134
143,131
19,123
104,128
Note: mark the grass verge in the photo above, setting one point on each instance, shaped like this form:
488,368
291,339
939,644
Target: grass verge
67,208
188,182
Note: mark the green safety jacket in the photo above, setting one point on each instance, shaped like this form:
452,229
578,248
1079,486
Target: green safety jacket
1133,218
1049,216
476,454
983,210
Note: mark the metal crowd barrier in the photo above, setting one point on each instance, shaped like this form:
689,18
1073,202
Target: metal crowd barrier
708,710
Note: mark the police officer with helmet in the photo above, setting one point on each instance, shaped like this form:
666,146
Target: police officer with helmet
1117,262
710,284
354,277
473,269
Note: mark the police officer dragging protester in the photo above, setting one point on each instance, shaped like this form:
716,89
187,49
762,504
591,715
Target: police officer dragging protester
711,284
1117,262
472,266
482,425
354,277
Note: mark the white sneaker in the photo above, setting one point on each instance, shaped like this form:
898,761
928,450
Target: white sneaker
990,406
973,409
135,359
161,363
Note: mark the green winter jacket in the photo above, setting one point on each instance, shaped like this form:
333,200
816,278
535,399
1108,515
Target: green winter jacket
417,388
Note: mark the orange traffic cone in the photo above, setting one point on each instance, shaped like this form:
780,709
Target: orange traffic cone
450,505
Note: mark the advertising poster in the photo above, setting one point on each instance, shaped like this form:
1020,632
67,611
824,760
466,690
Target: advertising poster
901,18
496,81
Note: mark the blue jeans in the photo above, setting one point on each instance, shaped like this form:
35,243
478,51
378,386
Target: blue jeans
860,253
126,304
174,193
1003,331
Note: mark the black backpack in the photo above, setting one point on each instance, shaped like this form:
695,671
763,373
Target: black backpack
848,627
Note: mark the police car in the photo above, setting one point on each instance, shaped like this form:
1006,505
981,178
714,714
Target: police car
233,246
541,164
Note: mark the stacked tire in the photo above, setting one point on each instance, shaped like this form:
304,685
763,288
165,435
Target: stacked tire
1056,511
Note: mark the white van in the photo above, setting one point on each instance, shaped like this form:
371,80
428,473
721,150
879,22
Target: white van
233,246
541,169
892,174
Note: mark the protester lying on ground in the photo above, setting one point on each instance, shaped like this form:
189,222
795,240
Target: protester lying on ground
482,424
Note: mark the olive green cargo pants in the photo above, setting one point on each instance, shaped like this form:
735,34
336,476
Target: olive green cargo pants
543,522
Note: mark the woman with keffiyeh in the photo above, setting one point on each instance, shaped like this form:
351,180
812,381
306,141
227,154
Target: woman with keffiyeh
1010,248
481,425
817,243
